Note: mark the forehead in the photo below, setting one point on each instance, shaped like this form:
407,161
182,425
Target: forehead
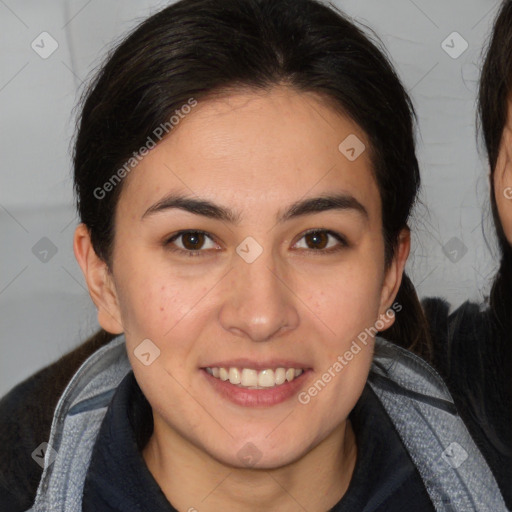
278,145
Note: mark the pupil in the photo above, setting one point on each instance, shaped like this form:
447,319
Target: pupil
192,239
317,237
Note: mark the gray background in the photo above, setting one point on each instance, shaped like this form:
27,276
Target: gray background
45,309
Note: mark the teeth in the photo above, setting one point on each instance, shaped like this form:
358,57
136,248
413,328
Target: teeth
280,376
249,378
266,379
234,376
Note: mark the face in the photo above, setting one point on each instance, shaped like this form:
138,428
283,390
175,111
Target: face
503,178
248,271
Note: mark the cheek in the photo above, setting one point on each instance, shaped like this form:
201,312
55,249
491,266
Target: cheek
348,299
152,299
504,203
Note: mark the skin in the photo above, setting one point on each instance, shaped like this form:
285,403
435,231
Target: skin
503,177
255,153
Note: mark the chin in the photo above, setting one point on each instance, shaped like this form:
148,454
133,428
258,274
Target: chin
258,454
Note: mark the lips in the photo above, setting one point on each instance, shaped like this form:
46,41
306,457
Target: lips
256,396
250,382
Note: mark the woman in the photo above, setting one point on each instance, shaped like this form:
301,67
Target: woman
244,175
473,349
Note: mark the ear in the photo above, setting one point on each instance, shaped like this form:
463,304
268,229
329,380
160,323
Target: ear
503,182
393,278
99,281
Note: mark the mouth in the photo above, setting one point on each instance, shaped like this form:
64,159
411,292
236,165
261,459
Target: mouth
249,387
250,378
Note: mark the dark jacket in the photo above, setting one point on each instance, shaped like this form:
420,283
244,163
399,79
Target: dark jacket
474,357
26,414
418,430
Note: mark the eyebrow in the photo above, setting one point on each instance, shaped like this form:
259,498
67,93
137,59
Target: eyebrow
205,208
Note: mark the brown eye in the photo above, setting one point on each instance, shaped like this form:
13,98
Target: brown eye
318,239
193,240
190,243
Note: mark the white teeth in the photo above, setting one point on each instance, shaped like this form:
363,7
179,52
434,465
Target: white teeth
234,376
249,378
266,379
280,375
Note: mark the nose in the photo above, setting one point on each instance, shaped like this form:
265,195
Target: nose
260,302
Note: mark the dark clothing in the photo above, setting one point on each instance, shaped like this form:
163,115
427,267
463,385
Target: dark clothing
384,479
475,360
26,414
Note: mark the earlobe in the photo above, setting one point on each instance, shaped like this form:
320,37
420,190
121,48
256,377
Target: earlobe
393,278
99,281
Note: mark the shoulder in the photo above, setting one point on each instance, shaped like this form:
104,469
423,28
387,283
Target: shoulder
475,357
469,317
464,339
402,372
26,415
25,418
470,352
429,415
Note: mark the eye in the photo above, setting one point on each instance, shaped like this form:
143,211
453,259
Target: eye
191,243
318,239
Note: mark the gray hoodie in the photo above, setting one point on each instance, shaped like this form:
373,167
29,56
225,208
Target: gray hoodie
454,472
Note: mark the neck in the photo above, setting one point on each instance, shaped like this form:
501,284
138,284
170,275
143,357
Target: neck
193,480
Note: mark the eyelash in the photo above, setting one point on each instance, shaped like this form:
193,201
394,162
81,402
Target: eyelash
343,242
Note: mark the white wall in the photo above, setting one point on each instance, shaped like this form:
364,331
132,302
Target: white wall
44,306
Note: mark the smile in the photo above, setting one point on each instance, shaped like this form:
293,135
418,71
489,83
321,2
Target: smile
253,379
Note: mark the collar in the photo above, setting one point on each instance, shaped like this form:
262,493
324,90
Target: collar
119,480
